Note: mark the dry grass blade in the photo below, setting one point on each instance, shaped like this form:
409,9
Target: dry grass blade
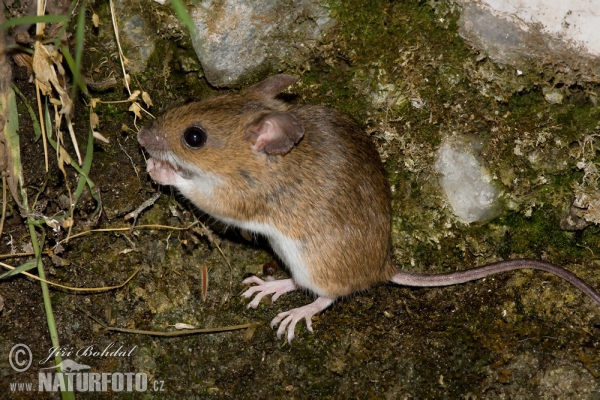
85,233
39,31
135,107
10,154
250,325
122,57
75,289
5,76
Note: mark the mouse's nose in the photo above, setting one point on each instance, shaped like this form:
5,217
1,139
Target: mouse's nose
151,139
141,137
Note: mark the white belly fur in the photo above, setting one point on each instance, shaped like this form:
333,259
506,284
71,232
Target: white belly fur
286,248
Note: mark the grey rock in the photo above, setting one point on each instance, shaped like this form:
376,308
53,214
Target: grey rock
137,38
500,38
511,43
238,39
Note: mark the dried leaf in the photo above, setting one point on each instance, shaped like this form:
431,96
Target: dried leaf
63,156
67,103
24,60
99,136
52,223
181,325
67,223
134,96
59,248
147,99
94,120
54,101
45,60
59,68
59,262
249,332
43,68
55,54
95,20
135,108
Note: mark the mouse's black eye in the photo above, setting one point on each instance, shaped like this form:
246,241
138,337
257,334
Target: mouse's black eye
194,137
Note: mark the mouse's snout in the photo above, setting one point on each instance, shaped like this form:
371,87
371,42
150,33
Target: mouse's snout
143,136
140,137
149,139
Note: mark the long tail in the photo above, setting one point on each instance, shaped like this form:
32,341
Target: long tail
406,278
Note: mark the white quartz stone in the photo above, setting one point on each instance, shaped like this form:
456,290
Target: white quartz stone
466,182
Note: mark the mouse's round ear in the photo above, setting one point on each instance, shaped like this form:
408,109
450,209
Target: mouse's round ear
274,133
272,86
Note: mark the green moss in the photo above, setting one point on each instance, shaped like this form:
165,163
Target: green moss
526,106
575,117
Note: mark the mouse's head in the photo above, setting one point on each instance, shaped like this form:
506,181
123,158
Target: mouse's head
223,132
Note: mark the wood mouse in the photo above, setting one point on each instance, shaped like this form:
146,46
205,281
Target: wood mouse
308,179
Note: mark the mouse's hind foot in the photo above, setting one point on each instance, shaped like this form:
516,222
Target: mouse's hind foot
289,319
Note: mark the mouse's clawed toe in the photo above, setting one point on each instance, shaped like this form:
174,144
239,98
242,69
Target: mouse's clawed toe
289,319
277,288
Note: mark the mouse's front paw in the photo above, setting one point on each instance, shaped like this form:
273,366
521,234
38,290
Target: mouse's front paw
290,318
277,288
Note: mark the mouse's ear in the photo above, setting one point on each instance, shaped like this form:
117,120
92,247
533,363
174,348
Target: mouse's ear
272,86
274,133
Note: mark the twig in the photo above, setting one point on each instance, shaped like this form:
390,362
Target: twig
134,214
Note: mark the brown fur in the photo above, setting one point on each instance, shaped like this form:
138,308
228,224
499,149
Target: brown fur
329,192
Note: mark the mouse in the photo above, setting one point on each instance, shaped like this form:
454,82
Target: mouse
307,178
